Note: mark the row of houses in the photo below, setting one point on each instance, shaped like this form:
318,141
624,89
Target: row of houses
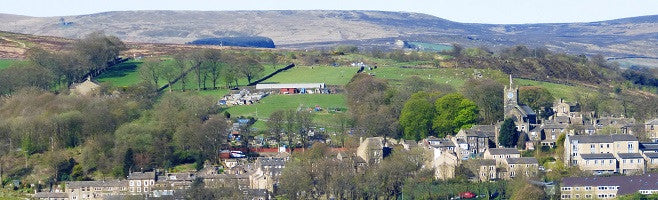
257,180
617,153
608,187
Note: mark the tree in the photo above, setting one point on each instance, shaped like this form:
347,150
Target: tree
508,136
275,124
150,71
537,98
99,50
453,112
128,161
248,67
416,116
488,96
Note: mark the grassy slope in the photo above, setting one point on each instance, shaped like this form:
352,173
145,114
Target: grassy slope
315,74
265,107
4,63
124,74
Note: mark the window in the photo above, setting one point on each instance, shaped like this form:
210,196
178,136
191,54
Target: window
566,188
146,182
588,188
631,161
630,147
589,196
131,183
566,196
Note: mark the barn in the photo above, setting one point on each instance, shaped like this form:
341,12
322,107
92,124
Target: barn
294,88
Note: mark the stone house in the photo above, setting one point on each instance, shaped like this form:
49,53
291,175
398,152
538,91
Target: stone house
371,150
95,189
500,154
592,153
651,127
139,182
444,163
523,166
50,196
86,88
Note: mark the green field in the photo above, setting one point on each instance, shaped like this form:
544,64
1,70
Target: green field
315,74
4,63
565,92
269,104
431,46
124,74
451,76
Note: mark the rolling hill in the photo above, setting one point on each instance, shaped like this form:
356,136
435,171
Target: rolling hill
628,37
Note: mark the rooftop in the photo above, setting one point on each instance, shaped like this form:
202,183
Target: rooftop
645,146
597,156
629,155
50,195
289,85
522,160
141,176
653,122
503,151
651,154
111,183
602,138
627,184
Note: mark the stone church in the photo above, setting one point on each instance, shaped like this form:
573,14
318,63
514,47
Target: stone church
524,117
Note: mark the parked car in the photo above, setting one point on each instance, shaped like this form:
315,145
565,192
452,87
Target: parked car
237,154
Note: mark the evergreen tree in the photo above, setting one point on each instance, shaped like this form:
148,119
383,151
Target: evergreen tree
508,134
128,161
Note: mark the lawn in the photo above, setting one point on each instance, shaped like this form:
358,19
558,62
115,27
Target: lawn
4,63
315,74
126,74
432,47
122,75
269,104
566,92
451,76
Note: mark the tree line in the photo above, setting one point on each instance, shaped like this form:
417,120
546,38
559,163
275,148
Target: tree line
205,65
52,70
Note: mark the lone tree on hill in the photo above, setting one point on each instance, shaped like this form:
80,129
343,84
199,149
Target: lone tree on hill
509,136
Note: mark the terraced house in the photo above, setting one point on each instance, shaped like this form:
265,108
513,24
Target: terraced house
604,153
598,187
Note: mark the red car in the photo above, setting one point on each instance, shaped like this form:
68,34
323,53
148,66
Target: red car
467,195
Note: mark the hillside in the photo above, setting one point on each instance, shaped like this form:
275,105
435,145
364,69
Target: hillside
315,28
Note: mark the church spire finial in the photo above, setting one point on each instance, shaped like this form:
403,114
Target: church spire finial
510,80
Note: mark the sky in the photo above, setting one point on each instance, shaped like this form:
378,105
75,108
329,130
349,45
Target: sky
469,11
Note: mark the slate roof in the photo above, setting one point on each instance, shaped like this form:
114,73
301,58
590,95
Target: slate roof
141,176
627,184
486,162
111,183
602,138
50,195
442,143
555,126
645,146
527,110
522,160
597,156
629,155
503,151
651,154
271,162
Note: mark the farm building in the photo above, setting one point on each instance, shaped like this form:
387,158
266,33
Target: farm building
293,88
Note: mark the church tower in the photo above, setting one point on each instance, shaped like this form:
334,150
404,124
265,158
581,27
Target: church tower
510,98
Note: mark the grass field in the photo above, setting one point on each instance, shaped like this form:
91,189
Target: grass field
267,105
432,47
565,92
315,74
4,63
124,74
451,76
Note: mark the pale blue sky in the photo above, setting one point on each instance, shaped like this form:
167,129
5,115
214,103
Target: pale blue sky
474,11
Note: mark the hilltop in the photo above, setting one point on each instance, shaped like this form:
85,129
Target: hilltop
628,37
